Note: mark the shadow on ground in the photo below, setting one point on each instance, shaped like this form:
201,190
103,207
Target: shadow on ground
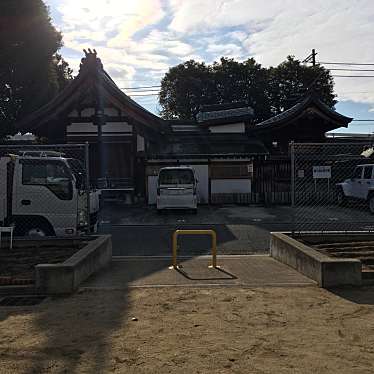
362,295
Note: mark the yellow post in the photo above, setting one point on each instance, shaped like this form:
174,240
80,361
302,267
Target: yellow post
213,235
214,249
174,244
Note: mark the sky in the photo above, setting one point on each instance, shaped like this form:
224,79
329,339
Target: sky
139,40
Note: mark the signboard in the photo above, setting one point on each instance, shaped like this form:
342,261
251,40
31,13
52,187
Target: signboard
300,173
321,172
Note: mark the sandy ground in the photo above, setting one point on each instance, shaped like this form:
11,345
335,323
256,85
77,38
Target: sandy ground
193,330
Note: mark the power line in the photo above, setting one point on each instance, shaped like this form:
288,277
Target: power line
345,63
353,76
353,69
139,87
142,92
155,94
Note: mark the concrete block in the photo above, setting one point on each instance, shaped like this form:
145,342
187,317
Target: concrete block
326,271
66,277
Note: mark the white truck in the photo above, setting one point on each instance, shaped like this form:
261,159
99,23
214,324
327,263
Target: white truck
44,194
359,187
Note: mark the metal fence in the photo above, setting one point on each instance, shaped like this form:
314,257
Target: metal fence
45,190
332,186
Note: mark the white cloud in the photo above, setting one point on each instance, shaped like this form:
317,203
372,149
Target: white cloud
227,50
151,35
340,30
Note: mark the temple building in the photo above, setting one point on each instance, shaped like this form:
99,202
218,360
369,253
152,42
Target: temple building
235,159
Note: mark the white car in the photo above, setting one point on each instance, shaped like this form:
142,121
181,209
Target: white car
177,188
359,187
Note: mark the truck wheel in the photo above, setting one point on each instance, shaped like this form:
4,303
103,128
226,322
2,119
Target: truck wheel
38,229
341,198
371,203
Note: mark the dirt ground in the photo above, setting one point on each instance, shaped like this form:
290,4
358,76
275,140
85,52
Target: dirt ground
19,262
193,330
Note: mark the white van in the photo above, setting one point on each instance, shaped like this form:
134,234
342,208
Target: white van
359,187
177,188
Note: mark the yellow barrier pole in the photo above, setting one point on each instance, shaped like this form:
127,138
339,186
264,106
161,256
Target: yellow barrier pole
174,246
213,235
214,249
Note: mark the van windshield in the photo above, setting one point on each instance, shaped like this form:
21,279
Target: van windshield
176,176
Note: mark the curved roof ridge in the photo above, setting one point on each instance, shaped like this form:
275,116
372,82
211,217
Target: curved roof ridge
91,67
299,107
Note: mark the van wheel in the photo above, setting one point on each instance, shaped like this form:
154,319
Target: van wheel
371,203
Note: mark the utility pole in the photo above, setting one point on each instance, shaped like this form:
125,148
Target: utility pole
311,58
314,54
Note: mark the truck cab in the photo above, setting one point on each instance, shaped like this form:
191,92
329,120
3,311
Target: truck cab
359,187
41,196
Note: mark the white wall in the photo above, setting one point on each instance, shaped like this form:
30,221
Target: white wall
152,189
230,128
90,129
230,186
202,175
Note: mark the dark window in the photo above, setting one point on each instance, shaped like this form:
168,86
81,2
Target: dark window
222,171
367,172
176,176
357,173
54,175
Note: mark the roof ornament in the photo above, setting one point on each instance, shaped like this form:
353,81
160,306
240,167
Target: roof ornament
90,61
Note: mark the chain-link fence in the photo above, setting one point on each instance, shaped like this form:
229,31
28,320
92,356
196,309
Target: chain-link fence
45,190
333,186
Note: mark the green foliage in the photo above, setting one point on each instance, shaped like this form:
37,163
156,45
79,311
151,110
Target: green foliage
184,88
291,80
269,91
31,73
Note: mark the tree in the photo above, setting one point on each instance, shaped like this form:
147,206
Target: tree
184,88
31,73
244,82
63,72
291,80
188,86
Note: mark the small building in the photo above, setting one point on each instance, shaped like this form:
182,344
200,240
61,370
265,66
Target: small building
235,160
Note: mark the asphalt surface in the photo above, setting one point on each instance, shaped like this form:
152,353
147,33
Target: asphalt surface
140,231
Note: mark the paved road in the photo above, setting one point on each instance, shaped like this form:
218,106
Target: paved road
146,240
240,230
140,231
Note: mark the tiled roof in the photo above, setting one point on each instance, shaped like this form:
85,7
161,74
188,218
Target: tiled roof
298,109
223,114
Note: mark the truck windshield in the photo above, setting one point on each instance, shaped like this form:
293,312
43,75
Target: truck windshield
176,176
52,174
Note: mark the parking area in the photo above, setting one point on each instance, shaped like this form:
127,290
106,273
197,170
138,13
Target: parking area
140,231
